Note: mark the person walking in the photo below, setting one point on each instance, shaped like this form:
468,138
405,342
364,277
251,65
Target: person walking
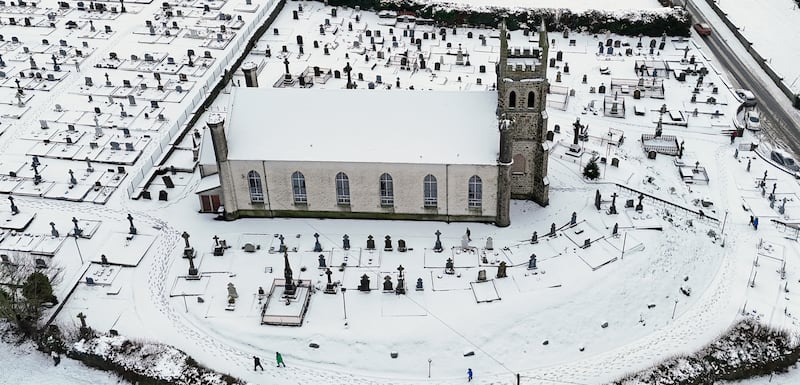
56,358
469,238
257,363
279,359
469,374
755,223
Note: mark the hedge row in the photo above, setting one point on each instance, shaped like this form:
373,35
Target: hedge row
672,21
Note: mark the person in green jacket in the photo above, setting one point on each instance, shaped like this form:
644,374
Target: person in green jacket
279,359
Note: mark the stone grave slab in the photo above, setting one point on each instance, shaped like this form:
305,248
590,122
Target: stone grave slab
7,167
63,151
278,312
17,222
8,184
291,241
49,246
99,196
24,242
369,258
349,257
102,274
351,278
214,264
124,249
89,227
461,259
543,278
28,188
485,291
122,157
106,179
581,231
631,241
771,250
446,282
189,287
64,191
39,149
759,207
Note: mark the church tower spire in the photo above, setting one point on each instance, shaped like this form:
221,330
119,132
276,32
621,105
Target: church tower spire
521,100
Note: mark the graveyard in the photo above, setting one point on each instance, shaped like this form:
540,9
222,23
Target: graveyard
689,225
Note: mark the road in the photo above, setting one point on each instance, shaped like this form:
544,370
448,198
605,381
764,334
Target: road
780,119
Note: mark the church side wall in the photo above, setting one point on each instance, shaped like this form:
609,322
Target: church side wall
320,179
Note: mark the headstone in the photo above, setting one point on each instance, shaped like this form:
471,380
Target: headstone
321,260
168,181
364,285
501,270
489,244
438,245
532,262
449,267
387,284
401,246
317,245
370,243
419,285
162,195
387,243
482,275
346,242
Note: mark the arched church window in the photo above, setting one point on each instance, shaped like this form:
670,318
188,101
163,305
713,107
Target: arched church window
429,189
387,190
299,188
531,99
475,196
512,99
256,191
342,189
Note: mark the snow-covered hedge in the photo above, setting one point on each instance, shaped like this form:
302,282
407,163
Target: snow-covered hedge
748,349
672,21
145,362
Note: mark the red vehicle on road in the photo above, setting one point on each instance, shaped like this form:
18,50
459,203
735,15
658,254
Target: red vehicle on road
702,29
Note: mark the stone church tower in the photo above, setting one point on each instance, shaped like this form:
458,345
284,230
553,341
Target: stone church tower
521,100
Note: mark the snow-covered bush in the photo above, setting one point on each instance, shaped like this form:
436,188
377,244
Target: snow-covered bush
146,362
673,21
747,350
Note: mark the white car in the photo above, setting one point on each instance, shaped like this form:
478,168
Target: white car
745,97
752,120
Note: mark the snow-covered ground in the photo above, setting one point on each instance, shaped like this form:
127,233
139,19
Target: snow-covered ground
565,302
22,364
772,28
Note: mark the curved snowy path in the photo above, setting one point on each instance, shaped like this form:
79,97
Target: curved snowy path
695,326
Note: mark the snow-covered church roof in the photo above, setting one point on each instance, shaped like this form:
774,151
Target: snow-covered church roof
380,126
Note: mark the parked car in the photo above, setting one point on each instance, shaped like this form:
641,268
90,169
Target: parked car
702,29
752,120
784,160
745,97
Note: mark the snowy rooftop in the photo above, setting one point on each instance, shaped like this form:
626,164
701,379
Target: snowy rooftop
396,126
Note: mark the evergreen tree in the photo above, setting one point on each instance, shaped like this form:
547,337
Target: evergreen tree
591,171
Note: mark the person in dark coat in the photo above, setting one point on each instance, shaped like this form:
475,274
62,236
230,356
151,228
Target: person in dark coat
257,363
469,374
56,358
279,359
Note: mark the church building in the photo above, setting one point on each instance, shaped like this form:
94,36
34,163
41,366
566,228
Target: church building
383,154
